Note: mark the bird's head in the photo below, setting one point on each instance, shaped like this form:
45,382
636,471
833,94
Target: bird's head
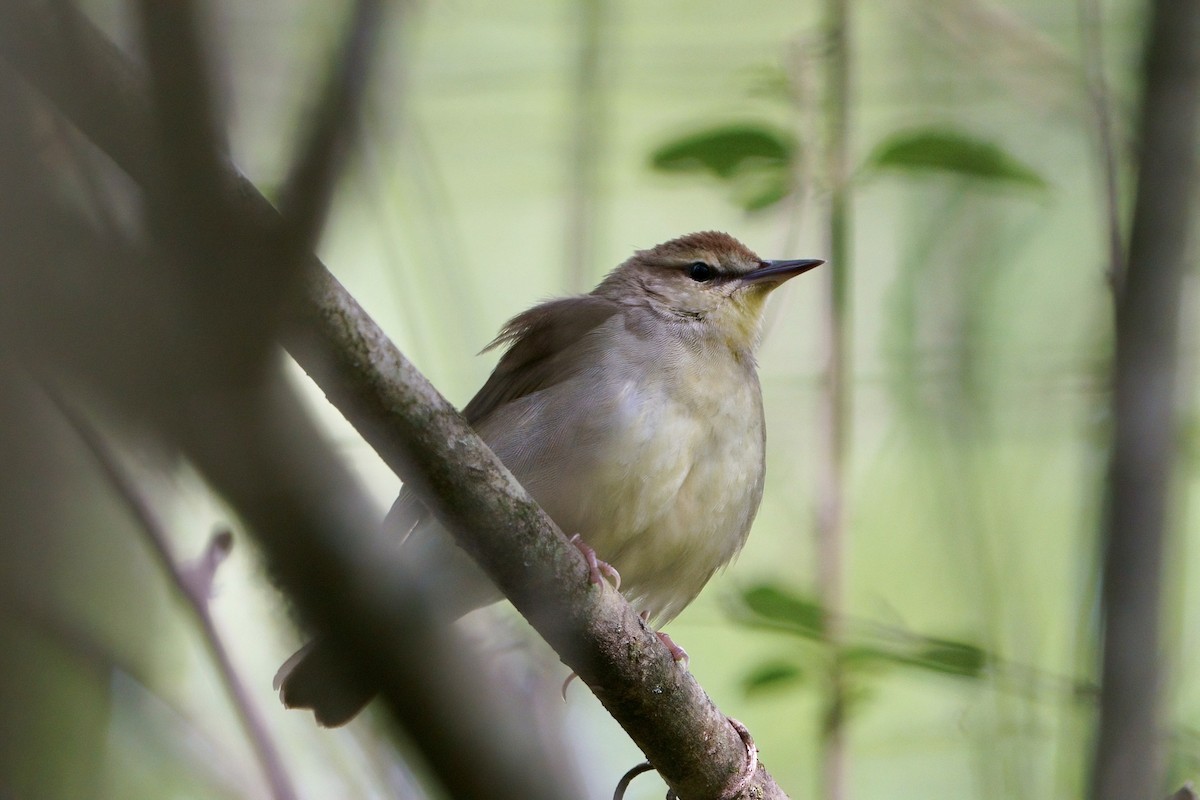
708,280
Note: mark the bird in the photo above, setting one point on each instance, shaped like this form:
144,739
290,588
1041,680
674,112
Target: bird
633,415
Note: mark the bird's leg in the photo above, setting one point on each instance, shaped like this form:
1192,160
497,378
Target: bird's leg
628,777
736,788
595,565
678,653
599,571
747,773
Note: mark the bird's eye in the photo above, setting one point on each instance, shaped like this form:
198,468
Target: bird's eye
700,272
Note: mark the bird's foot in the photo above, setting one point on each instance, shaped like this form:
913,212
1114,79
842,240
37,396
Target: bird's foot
747,774
732,791
567,683
628,777
678,653
599,569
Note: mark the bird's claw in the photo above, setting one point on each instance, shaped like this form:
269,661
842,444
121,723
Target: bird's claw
678,653
599,569
628,777
736,788
747,773
567,683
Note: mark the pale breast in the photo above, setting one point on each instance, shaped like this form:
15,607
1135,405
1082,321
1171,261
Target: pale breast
659,469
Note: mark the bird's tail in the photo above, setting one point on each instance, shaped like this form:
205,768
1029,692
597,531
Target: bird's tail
315,677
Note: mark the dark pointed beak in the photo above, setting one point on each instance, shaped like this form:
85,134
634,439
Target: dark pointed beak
780,271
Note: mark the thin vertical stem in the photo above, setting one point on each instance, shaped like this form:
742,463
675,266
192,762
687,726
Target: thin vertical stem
831,514
1129,750
1087,640
1098,96
800,68
586,144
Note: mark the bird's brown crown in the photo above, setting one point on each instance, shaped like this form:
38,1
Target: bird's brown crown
713,243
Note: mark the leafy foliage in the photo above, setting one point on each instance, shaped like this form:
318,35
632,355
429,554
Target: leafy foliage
780,608
936,150
773,675
953,658
864,653
754,160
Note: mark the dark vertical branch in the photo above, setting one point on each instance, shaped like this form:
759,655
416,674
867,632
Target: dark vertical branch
309,187
831,513
185,120
587,131
1128,755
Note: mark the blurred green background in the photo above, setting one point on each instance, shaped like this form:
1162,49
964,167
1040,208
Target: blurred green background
980,340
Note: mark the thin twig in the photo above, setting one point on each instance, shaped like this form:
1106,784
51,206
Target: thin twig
587,129
801,64
194,592
831,514
98,657
1099,97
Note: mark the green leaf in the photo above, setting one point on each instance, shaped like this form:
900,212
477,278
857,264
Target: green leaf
947,151
752,159
725,151
762,189
771,676
783,609
953,658
865,657
937,655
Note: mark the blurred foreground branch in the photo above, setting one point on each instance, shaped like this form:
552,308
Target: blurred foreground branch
248,434
195,585
174,332
1128,754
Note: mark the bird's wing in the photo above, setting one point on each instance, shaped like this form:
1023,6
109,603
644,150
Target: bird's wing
404,514
540,351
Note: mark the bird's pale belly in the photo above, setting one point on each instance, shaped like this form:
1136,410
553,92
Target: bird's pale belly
670,491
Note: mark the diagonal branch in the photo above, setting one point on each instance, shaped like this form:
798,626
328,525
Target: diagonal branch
422,437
